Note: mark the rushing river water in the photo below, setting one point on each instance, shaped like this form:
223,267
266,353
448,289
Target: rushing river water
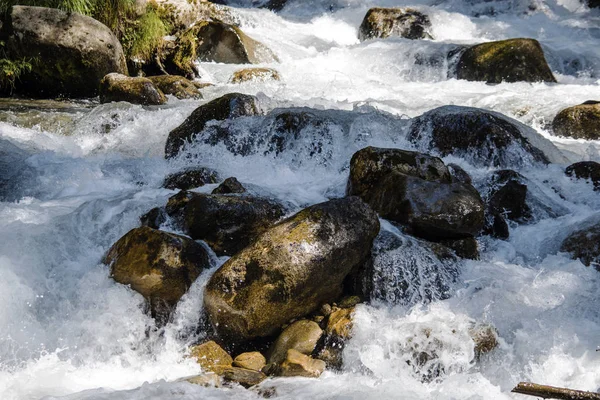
77,176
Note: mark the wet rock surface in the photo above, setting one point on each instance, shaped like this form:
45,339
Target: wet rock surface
177,86
385,22
191,178
579,122
588,170
119,87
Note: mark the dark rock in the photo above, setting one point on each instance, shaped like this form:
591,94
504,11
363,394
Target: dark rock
160,266
588,170
484,137
496,226
229,185
70,53
385,22
579,122
231,105
507,196
191,178
459,175
290,270
177,86
464,248
118,87
584,245
154,218
511,60
242,376
228,223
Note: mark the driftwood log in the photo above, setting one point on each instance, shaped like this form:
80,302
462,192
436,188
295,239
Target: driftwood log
551,392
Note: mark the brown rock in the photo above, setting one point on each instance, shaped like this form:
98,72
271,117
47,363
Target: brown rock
385,22
302,336
211,356
208,380
229,185
118,87
251,360
339,324
579,122
485,338
245,377
191,178
298,364
254,74
177,86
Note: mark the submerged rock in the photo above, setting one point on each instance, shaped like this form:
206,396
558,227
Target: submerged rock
588,170
415,190
511,60
177,86
228,223
160,266
191,178
290,270
485,338
69,52
118,87
484,138
579,122
229,186
255,74
229,106
507,196
385,22
584,245
301,336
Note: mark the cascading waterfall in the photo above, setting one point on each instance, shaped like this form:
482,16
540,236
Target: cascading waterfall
75,178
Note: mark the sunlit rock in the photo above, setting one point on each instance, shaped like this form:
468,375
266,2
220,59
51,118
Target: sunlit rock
579,122
160,266
118,87
385,22
588,170
298,364
511,60
484,138
291,269
211,356
229,106
69,52
251,360
191,178
177,86
255,74
302,335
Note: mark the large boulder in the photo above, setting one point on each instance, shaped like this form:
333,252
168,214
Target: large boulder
415,190
228,223
70,53
584,245
579,122
291,269
160,266
485,138
119,87
589,170
385,22
177,86
511,60
231,105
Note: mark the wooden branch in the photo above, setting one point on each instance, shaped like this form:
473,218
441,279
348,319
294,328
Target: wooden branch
551,392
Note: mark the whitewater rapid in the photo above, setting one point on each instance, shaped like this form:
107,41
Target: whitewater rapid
86,172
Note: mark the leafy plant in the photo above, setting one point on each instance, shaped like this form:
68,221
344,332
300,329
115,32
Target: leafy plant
144,35
11,70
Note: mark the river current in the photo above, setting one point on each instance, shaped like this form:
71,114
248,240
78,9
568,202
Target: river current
78,175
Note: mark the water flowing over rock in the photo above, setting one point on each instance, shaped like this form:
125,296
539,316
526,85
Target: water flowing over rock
255,74
160,266
511,60
415,190
507,196
191,178
118,87
579,122
589,170
70,53
291,269
229,106
484,138
584,245
177,86
385,22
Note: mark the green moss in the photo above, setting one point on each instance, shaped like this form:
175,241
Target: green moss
143,36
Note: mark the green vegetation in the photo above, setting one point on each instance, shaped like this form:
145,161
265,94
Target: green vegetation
11,70
143,36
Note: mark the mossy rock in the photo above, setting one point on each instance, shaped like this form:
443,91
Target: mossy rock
579,122
589,170
229,106
118,87
160,266
512,60
69,52
290,270
254,74
584,245
191,178
177,86
403,22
